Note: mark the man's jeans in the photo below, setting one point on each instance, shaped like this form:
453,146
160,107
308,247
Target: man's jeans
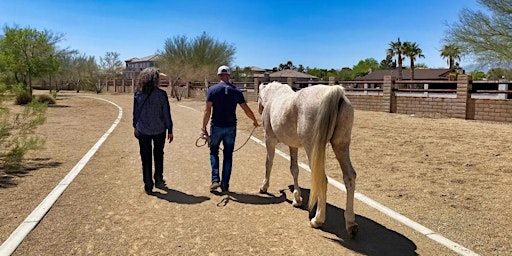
226,135
147,151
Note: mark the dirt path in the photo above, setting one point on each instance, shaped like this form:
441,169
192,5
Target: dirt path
106,212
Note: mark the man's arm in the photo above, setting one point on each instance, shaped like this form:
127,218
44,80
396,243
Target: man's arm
249,113
207,114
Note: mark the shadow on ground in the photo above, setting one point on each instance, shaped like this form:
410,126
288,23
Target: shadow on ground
257,199
175,196
9,173
243,198
372,239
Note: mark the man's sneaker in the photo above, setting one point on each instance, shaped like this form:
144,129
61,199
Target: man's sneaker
214,186
161,185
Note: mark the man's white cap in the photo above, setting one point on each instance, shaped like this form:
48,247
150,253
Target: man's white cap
223,70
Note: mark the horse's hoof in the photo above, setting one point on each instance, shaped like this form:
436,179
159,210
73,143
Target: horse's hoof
263,190
297,203
315,224
352,230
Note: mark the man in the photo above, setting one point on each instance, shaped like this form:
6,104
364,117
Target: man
223,98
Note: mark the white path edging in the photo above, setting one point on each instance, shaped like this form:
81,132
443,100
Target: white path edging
16,238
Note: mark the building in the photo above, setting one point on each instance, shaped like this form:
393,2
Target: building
135,65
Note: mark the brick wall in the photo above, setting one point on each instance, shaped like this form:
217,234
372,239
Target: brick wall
490,110
415,105
367,102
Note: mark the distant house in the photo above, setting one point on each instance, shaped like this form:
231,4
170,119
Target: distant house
419,74
135,65
283,75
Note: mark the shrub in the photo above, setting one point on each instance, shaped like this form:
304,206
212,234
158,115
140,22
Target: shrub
17,132
23,98
45,98
22,94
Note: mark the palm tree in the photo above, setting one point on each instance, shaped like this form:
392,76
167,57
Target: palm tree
396,49
412,50
451,52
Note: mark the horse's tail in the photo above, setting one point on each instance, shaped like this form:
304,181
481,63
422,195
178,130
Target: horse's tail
323,130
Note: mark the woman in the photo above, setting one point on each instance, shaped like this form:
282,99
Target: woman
151,120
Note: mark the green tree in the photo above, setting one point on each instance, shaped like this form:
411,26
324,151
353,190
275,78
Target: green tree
396,49
451,52
413,51
287,65
477,75
420,65
77,69
28,53
499,73
364,67
487,36
318,72
345,74
111,65
387,63
186,59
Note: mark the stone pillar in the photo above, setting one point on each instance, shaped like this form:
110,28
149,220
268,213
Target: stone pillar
290,81
332,81
388,95
460,107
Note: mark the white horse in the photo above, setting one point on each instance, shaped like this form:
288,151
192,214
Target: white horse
310,118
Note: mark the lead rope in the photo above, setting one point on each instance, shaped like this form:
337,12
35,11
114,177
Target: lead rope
206,139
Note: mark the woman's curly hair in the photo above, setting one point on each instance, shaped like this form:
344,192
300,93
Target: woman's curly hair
148,79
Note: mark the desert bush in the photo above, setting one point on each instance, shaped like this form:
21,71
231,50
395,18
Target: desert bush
17,131
23,98
22,94
45,98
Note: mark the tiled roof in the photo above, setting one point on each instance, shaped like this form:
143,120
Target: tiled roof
144,59
291,73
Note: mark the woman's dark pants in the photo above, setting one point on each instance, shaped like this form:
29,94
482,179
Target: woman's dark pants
152,146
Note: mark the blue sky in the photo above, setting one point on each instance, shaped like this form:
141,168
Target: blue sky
321,34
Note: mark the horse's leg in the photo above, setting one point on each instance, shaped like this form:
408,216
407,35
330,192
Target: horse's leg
294,168
319,218
271,148
349,177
